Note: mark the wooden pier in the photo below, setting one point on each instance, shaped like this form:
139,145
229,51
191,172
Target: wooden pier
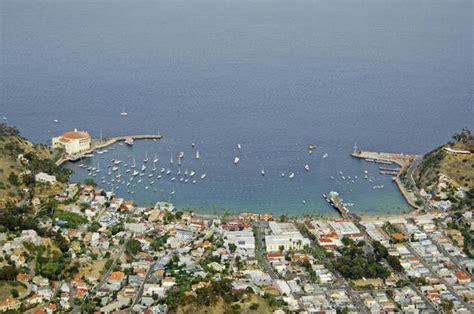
336,202
99,144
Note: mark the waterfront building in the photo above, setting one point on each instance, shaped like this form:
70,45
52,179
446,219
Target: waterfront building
73,142
286,236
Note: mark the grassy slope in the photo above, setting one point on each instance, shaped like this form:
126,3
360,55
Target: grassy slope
460,168
8,162
221,307
6,287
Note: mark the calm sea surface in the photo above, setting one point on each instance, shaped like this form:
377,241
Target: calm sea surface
274,76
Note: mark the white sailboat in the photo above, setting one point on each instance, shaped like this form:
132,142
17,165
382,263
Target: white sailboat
262,172
239,146
203,176
236,160
123,113
156,159
146,157
292,175
306,167
197,155
171,159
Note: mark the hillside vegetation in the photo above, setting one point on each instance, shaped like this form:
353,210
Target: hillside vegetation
20,160
456,168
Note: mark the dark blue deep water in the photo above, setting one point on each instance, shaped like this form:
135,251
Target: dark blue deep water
274,76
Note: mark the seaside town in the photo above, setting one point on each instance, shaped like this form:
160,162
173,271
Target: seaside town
79,248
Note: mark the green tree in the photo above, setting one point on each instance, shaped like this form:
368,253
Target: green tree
8,272
232,247
90,182
447,305
14,293
254,306
13,179
133,246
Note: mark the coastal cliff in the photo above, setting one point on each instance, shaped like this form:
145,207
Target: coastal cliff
447,173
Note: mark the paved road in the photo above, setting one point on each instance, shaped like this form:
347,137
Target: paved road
451,258
261,254
109,271
138,296
411,169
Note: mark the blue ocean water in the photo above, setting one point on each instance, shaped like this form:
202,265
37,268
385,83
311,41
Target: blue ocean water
274,76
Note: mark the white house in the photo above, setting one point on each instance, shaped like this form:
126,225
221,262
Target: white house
43,177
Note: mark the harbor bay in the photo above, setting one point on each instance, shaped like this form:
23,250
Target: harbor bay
273,78
226,183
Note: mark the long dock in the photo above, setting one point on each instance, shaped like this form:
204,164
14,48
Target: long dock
403,160
336,202
99,144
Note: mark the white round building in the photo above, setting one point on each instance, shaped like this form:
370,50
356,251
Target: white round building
73,142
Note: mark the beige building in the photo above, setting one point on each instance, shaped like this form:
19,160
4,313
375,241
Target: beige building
73,142
284,235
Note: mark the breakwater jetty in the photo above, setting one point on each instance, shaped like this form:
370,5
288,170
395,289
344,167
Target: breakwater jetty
403,160
97,144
